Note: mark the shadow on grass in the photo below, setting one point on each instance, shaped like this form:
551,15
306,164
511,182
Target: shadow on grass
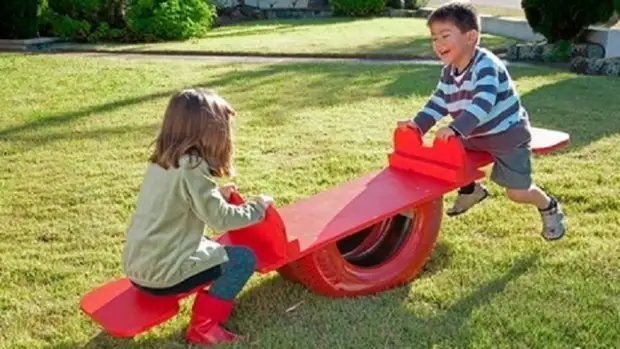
255,29
415,46
276,91
253,309
580,105
271,26
266,315
420,46
410,81
244,28
27,142
377,315
60,119
368,321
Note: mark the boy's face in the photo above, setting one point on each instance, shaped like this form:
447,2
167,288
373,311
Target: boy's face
450,45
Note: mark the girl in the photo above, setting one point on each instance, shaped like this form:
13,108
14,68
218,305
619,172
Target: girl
166,252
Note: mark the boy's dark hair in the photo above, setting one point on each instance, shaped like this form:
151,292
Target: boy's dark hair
462,14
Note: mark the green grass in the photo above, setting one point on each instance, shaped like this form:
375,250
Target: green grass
378,36
74,140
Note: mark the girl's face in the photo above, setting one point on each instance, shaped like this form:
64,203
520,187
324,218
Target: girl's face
451,45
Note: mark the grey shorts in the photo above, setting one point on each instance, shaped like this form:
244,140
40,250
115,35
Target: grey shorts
512,168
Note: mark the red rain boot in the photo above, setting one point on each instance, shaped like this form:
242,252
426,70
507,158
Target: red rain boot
208,313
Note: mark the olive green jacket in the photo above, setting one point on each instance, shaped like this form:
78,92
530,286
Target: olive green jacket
165,239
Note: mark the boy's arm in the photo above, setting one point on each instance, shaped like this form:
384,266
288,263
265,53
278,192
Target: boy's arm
434,109
207,201
484,96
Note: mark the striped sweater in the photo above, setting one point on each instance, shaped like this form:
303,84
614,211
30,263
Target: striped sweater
482,101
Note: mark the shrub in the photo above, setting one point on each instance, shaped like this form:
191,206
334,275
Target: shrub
357,8
19,19
155,20
64,26
84,20
415,4
561,20
128,20
105,33
77,9
397,4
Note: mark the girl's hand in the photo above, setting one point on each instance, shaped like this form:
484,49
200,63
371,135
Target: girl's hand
227,189
265,200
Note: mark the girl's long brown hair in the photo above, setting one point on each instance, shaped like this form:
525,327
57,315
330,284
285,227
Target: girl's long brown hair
196,122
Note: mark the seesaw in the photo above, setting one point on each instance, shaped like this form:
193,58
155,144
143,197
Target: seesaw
365,236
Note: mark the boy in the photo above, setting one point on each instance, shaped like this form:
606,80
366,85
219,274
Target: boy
476,89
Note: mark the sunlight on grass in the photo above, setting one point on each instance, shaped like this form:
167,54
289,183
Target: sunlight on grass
385,36
75,133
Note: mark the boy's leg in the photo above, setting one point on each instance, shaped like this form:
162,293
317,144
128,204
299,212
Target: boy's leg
512,170
469,195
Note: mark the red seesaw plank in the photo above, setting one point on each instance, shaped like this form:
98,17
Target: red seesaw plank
332,215
416,174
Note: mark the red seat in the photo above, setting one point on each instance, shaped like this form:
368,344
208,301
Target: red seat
125,311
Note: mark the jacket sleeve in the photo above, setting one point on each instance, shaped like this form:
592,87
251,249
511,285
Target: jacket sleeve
211,207
434,109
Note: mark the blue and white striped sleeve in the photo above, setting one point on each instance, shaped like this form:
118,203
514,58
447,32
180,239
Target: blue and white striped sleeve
434,109
478,111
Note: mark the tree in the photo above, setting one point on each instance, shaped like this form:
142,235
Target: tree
559,20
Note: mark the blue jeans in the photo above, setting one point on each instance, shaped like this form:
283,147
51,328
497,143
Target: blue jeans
229,277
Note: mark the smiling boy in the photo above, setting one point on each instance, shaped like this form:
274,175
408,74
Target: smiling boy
476,89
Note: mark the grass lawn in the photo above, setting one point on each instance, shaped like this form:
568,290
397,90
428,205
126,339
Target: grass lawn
74,141
406,37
